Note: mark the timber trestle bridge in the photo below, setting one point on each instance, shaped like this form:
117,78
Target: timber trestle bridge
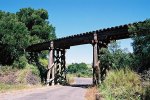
57,49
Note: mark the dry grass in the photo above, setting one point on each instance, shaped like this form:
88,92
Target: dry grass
70,79
7,87
91,93
123,84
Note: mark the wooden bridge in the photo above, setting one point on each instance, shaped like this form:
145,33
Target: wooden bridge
57,48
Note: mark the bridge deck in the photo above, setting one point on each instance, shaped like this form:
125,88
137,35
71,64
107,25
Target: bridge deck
104,35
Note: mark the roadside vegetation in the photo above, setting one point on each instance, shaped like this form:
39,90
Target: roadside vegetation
78,70
122,84
125,75
18,31
128,75
14,79
91,93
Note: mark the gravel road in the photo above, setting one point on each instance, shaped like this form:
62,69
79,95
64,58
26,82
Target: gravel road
74,92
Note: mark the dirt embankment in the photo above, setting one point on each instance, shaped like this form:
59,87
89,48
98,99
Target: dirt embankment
13,76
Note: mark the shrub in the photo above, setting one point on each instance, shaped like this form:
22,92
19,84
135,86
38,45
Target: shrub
20,63
122,84
28,75
44,62
5,70
79,69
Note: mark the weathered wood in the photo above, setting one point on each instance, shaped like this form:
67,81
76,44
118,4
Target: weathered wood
96,68
63,65
57,66
113,33
99,38
51,64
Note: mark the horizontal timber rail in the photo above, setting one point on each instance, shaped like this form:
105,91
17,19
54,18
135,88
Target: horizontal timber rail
104,35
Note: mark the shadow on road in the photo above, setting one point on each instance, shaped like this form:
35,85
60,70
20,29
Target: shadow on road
81,85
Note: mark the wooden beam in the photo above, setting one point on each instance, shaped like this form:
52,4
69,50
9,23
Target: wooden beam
96,68
51,65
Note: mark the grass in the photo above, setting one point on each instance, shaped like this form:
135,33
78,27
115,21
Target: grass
91,93
22,74
8,87
70,78
16,79
12,87
122,84
5,70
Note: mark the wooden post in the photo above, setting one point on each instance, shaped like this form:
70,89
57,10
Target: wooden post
51,64
96,69
57,67
64,51
63,64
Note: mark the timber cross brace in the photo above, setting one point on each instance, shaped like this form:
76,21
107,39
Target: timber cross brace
57,48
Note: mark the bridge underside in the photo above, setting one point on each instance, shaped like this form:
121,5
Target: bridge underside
57,48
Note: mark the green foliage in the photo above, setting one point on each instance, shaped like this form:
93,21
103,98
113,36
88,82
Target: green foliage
123,84
14,38
5,70
44,62
20,63
146,95
22,76
36,22
29,72
33,69
8,87
81,70
115,57
75,67
17,31
141,45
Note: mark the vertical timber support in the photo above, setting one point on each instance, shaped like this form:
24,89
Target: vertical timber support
57,67
96,67
50,73
63,65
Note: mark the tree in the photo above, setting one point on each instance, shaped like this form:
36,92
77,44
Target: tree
75,67
141,45
17,31
37,24
14,38
115,57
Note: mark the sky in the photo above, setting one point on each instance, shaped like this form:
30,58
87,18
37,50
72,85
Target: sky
71,17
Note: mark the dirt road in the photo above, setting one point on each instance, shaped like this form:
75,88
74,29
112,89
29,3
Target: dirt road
73,92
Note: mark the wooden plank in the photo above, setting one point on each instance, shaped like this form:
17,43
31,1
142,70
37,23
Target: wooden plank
113,33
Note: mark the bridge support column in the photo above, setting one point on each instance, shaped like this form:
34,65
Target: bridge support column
96,67
63,65
58,66
51,70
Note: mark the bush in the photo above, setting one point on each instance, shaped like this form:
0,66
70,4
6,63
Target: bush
141,45
75,67
115,57
80,70
44,62
5,70
122,84
28,75
20,63
146,95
